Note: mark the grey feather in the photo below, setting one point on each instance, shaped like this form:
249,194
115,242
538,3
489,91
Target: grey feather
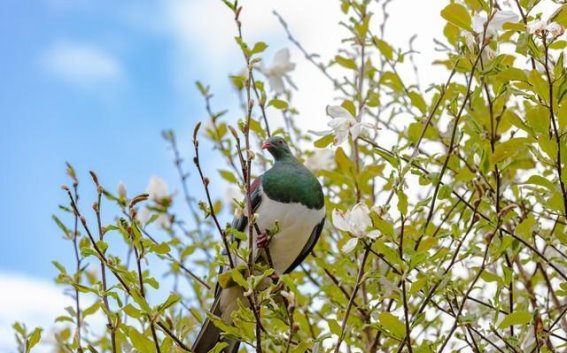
210,335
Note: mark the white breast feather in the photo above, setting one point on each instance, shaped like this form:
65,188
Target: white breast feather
296,223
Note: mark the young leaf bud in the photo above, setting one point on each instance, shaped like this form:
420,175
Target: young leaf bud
196,131
94,177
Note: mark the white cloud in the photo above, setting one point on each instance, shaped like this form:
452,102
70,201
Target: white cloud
203,32
33,301
81,64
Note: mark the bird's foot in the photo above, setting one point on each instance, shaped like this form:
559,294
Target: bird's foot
262,240
275,277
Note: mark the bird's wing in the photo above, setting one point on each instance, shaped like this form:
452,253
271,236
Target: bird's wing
240,223
308,246
210,334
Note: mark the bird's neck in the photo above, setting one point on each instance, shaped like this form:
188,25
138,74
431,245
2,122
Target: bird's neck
286,158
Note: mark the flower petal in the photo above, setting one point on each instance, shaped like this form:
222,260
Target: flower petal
500,18
373,234
535,27
338,123
281,57
276,84
350,245
320,133
340,136
339,220
478,22
157,188
336,111
355,130
359,217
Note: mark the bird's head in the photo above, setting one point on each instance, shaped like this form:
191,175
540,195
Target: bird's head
277,147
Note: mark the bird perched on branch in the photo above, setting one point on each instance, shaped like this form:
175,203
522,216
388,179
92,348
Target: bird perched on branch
289,194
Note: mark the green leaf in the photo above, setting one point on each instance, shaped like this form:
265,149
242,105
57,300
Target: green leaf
278,104
228,176
349,105
541,181
140,342
539,85
402,202
417,285
344,163
560,16
489,277
418,102
60,267
390,158
335,327
91,309
33,339
392,324
508,149
161,248
393,81
259,47
219,347
324,141
171,300
346,62
458,15
526,227
131,311
385,48
515,318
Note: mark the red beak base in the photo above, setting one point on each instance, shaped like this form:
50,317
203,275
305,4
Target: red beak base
266,145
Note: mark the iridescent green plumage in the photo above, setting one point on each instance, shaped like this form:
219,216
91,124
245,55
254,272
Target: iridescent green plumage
289,181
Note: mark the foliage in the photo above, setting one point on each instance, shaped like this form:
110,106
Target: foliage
447,205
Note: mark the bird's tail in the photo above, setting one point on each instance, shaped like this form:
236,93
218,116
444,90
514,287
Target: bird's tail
210,335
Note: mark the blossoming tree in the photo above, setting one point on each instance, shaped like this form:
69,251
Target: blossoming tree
449,235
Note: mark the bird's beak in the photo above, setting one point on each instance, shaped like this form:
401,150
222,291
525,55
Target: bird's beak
266,144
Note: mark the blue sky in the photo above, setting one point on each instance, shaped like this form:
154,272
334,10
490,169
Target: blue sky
108,121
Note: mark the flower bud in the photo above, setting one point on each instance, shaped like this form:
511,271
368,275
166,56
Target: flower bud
238,212
503,212
122,190
251,154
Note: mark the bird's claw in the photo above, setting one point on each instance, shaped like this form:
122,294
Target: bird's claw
262,240
275,277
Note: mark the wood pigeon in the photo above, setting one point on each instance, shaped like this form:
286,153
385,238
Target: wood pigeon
291,195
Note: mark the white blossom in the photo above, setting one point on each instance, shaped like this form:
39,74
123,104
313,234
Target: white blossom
355,221
144,215
470,40
536,27
492,28
343,123
489,54
157,189
320,159
280,68
496,22
122,190
555,29
541,28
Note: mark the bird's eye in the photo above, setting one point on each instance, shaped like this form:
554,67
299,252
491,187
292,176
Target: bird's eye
280,142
